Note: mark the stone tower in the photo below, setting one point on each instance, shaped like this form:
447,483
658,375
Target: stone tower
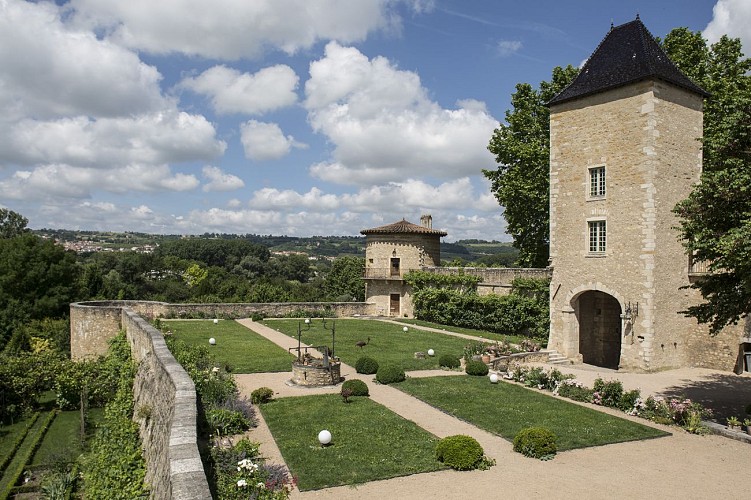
624,149
390,252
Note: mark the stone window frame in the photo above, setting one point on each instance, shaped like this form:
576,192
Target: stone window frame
601,237
597,182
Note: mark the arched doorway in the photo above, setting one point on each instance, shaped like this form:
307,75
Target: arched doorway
599,317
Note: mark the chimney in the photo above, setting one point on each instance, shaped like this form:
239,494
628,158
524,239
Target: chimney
426,221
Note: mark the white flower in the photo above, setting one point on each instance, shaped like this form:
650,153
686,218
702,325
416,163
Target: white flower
242,483
261,486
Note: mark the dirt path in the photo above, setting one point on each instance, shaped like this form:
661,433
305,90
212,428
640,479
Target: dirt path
679,466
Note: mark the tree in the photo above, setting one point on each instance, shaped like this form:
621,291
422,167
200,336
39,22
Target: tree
12,223
715,220
522,150
344,281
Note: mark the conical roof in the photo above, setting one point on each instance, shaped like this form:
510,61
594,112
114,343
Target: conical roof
403,226
628,53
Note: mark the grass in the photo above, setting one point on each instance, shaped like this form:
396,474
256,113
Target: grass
62,442
504,409
8,436
369,441
388,343
482,334
242,349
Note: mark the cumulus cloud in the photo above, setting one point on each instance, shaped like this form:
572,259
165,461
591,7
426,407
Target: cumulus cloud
234,29
506,48
161,137
220,181
48,69
266,141
382,123
66,181
315,199
730,17
231,91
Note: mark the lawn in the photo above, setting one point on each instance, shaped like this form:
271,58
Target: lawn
242,349
62,442
504,409
388,342
369,441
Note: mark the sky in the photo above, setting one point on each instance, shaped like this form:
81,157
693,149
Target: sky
284,117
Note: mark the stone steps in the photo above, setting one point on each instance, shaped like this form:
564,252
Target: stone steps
555,358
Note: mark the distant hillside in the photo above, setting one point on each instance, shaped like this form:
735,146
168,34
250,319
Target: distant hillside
464,252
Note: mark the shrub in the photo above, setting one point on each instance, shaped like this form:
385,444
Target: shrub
574,390
607,393
261,395
226,421
449,361
389,374
536,442
358,387
459,452
628,400
477,368
536,377
366,365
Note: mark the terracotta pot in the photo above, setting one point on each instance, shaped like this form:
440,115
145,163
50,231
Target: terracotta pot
486,358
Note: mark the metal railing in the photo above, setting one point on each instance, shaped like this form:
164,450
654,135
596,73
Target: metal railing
382,273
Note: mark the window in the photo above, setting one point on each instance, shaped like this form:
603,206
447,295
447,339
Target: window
395,267
597,236
597,182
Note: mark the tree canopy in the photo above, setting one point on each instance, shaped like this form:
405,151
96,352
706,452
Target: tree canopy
12,223
520,183
715,220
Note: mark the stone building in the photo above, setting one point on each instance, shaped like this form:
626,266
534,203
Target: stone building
390,252
624,149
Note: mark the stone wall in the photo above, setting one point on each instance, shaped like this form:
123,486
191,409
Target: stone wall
166,411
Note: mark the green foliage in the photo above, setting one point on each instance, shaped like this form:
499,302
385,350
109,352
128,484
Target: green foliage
390,374
23,378
344,281
574,390
520,183
714,219
536,442
508,314
261,395
18,464
476,368
114,467
226,422
449,361
12,223
459,452
358,387
607,393
37,280
366,365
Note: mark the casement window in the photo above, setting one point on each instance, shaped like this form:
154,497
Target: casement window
597,236
597,182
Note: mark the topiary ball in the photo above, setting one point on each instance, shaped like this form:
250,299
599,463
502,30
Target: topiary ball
358,387
389,374
477,368
261,395
366,365
536,442
459,452
449,361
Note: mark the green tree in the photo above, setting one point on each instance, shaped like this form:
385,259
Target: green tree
344,281
12,223
520,183
715,220
37,280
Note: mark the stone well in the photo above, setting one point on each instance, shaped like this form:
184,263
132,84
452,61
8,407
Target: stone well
314,373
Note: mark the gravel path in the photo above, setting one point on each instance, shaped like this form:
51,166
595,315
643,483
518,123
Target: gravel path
679,466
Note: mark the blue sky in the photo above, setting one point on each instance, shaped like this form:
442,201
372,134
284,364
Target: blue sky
296,117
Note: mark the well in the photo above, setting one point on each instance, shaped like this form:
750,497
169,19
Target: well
311,372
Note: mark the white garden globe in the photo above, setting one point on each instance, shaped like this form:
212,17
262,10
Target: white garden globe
216,321
405,329
493,378
212,341
324,437
431,352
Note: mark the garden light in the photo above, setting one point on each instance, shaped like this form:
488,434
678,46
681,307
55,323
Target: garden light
405,329
493,378
431,352
216,321
212,341
324,437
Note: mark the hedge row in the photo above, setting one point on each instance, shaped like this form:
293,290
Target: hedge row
17,443
12,475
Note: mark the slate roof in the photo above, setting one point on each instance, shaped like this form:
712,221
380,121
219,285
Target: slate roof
627,54
403,226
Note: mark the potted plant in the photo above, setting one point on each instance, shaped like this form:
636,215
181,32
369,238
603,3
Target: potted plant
747,423
733,423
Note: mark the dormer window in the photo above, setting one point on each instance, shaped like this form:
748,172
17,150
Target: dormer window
597,182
